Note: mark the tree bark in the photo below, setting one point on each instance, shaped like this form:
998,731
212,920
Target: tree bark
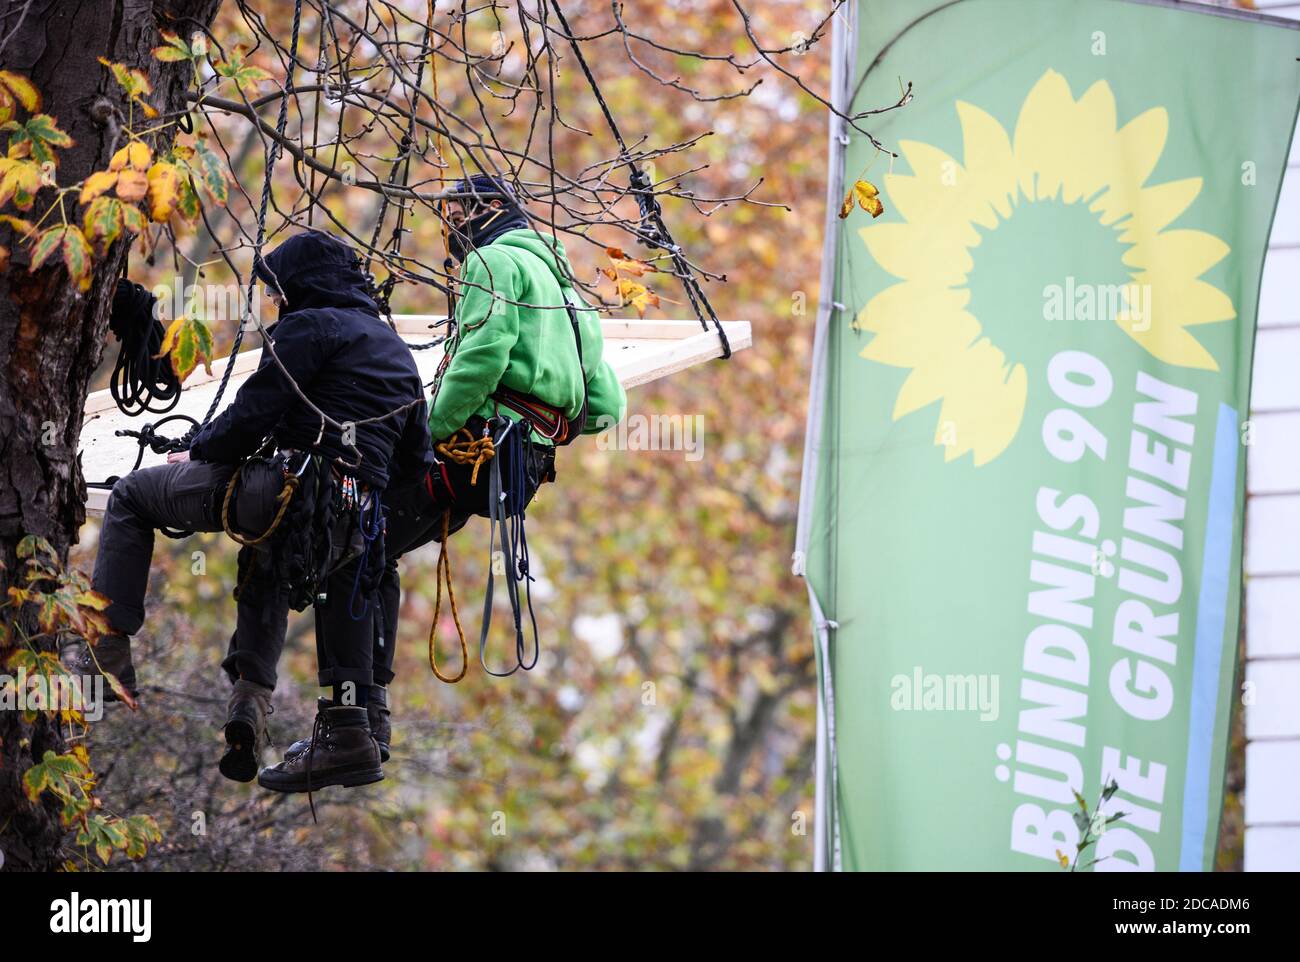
52,334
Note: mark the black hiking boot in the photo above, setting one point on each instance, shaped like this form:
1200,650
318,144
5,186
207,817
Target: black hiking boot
112,654
381,728
302,744
340,752
245,730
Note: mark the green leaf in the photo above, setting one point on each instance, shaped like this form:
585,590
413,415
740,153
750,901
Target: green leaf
245,76
66,776
33,546
141,831
174,49
211,173
188,341
104,835
103,221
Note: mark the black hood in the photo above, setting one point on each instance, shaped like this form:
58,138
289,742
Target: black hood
314,270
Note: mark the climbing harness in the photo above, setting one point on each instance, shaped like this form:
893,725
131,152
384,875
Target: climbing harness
507,493
546,419
291,482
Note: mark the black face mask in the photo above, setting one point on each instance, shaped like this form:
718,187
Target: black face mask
484,226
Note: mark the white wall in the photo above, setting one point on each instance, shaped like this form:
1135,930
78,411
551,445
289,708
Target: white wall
1272,796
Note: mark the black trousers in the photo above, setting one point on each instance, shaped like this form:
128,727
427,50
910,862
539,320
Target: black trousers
415,518
187,496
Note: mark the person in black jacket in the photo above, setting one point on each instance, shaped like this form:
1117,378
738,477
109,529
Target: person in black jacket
350,364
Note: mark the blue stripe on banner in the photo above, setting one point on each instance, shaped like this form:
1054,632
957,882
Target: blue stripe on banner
1211,613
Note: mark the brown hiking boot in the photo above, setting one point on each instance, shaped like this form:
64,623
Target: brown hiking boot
245,730
112,654
340,752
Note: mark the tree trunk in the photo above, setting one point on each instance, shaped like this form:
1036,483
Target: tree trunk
51,334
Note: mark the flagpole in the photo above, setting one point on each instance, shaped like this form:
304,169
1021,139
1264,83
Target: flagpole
843,58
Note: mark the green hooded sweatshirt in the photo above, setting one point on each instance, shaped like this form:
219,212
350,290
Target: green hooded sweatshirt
529,349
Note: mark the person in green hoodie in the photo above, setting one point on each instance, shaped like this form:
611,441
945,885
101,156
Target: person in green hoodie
524,363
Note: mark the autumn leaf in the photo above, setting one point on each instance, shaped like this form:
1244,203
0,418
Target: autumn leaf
19,180
135,155
96,184
134,82
103,221
34,546
132,185
17,223
133,219
638,295
140,831
622,263
867,196
63,775
1062,858
245,76
104,835
124,696
71,242
188,341
17,87
164,190
175,49
40,136
210,172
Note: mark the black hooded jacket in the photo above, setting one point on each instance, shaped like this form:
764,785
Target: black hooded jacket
349,362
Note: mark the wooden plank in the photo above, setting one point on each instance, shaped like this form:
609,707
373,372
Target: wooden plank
639,352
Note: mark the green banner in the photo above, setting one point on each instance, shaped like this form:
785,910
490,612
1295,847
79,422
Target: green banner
1026,527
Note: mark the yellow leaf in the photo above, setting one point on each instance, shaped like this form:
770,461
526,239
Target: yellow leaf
638,295
868,197
132,185
23,89
96,184
164,190
138,155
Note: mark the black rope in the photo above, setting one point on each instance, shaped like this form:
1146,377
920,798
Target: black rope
141,380
656,234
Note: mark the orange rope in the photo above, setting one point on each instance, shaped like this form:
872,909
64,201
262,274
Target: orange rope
468,450
444,570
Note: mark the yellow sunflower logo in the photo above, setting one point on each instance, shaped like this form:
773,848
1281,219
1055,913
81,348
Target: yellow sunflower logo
1066,151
